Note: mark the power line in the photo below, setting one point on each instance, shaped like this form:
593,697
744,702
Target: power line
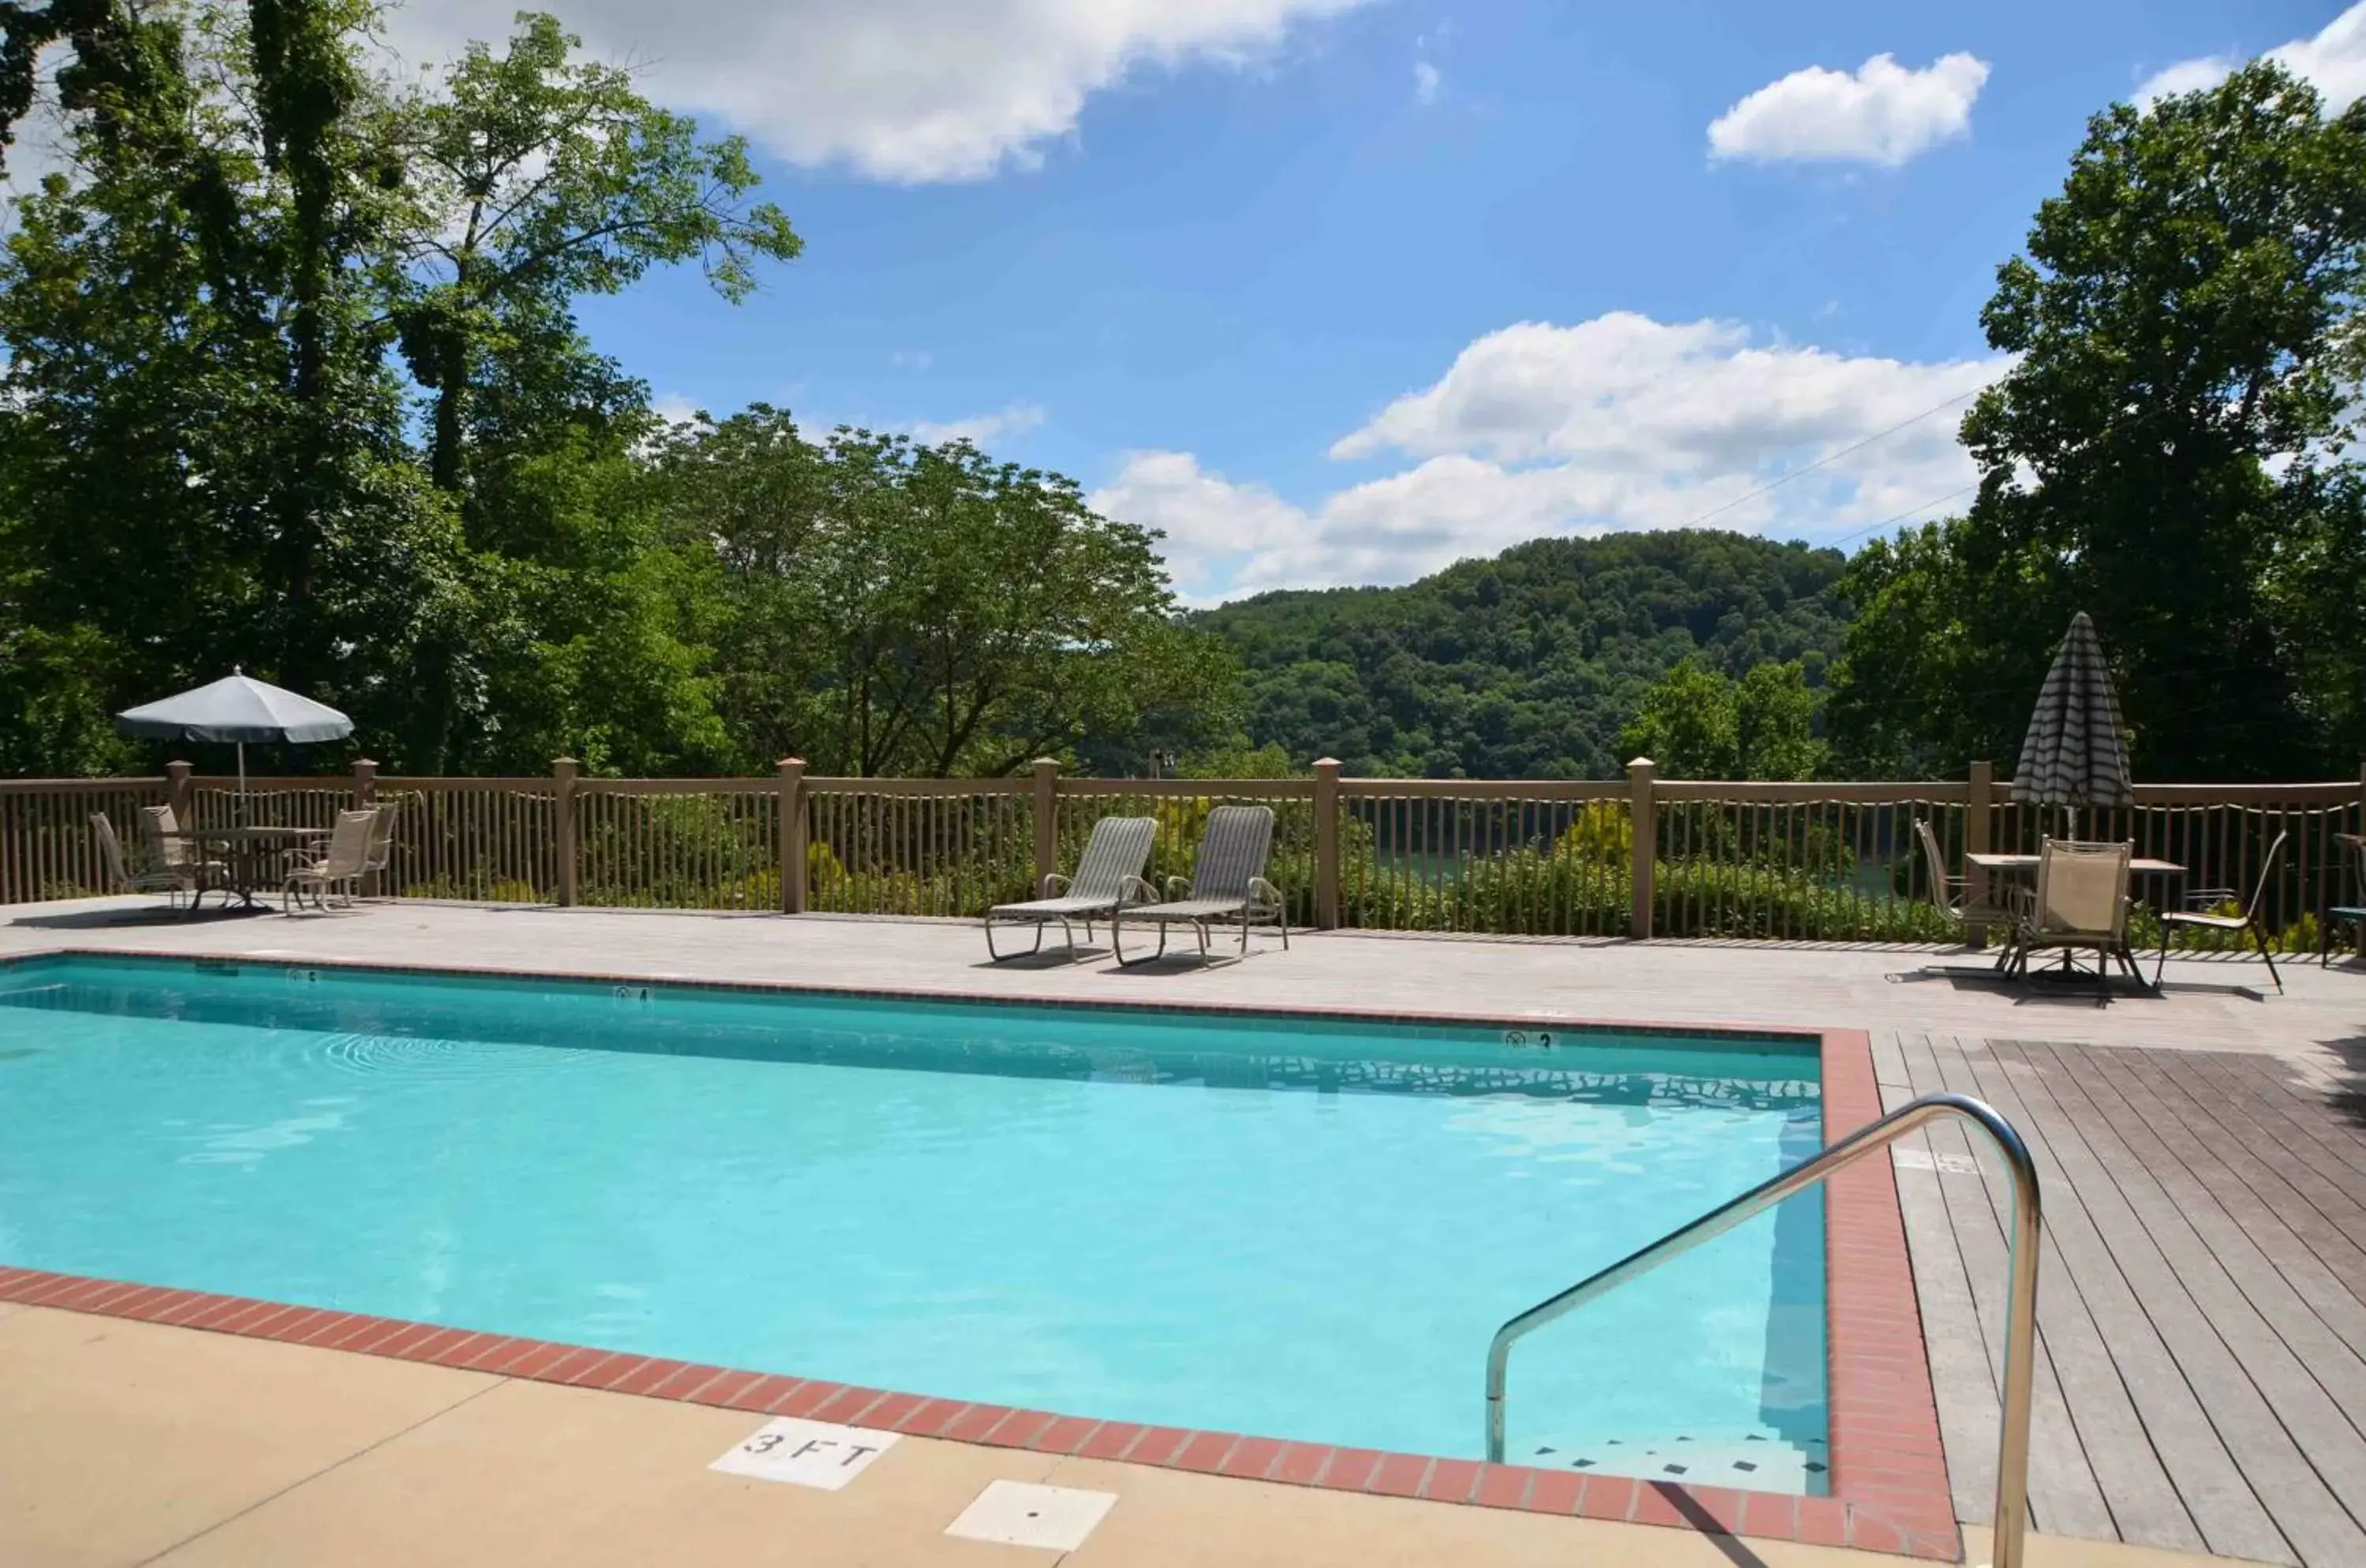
1833,457
1875,527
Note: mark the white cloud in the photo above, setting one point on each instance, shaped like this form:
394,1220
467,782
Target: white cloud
2335,60
1424,82
905,90
1884,114
1617,422
674,409
980,430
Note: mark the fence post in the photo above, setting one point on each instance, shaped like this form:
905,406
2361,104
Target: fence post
793,835
1645,814
1047,820
1979,833
1327,843
177,790
365,785
562,773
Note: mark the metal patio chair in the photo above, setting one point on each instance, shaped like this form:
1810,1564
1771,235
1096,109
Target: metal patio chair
170,881
1227,886
2353,853
2081,901
1954,894
339,867
1109,877
2204,899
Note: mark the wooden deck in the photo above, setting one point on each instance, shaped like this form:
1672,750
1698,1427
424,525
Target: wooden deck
2202,1307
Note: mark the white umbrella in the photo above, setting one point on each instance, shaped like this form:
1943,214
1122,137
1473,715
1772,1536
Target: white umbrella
236,710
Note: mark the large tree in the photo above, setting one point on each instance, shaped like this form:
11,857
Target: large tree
901,608
2167,453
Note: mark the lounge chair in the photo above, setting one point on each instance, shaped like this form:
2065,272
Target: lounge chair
2204,899
2353,850
1954,894
1108,878
381,850
2081,901
1228,885
121,878
341,866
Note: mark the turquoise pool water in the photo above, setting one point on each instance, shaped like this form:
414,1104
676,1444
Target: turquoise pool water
1297,1229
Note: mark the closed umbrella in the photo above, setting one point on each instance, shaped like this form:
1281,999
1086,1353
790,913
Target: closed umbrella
2074,757
235,709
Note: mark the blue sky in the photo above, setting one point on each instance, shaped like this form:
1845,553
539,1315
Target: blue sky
1339,292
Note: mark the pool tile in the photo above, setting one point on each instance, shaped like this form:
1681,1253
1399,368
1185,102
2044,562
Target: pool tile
1400,1475
531,1362
1351,1468
718,1391
1504,1485
609,1370
1771,1514
1300,1464
1108,1440
1205,1452
1018,1429
1823,1521
1251,1457
930,1419
763,1394
1158,1445
1606,1497
974,1423
645,1377
808,1397
1871,1532
1557,1492
845,1401
1450,1480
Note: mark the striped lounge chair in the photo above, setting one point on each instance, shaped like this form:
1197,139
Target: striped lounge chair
1228,886
1108,878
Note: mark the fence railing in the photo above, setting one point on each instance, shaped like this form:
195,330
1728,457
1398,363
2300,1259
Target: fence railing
1640,856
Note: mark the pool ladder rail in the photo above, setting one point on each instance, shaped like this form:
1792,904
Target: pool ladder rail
2021,1307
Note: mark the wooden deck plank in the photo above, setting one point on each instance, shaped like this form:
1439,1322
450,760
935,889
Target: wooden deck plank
1962,1379
2242,1473
2064,1494
2123,1387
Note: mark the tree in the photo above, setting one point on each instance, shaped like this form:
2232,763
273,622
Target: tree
2164,454
899,608
202,455
1697,723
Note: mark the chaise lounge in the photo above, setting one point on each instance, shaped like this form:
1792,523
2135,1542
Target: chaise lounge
1227,886
1109,877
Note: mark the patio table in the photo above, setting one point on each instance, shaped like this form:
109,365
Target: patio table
2016,865
249,853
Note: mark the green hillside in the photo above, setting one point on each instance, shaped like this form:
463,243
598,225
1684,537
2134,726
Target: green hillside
1527,665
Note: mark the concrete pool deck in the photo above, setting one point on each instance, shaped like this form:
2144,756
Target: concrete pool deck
2202,1386
125,1443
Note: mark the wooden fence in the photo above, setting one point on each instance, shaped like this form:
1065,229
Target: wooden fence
1640,856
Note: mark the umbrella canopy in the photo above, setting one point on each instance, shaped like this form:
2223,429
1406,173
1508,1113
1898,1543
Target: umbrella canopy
235,709
2074,757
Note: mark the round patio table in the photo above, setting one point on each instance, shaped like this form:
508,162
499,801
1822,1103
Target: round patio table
249,854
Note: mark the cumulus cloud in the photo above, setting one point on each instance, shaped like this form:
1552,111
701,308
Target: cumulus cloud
905,90
1424,82
2335,60
1883,114
1617,423
981,429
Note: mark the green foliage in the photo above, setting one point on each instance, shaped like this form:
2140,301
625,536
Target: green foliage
1602,835
2164,454
1697,723
1526,666
891,608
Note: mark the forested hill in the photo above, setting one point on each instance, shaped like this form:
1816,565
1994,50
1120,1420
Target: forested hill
1527,665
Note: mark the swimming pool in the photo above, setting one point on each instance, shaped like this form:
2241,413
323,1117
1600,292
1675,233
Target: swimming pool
1293,1227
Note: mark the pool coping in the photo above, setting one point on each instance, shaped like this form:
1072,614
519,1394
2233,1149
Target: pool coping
1888,1477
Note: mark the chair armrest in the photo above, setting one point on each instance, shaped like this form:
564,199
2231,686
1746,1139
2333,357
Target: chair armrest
1173,882
1052,886
2209,898
1260,889
1134,885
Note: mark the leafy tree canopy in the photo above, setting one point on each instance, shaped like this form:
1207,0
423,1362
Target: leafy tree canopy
2168,453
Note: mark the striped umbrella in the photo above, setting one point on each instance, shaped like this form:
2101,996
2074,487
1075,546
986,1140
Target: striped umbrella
2074,756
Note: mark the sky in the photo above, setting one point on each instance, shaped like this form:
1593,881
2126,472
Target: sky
1341,292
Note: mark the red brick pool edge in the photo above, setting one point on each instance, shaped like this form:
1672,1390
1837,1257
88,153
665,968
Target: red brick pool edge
1889,1472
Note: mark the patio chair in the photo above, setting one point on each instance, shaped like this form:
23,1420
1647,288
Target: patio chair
159,837
340,866
2202,900
2081,901
381,850
1109,877
1954,894
1227,884
121,878
2353,852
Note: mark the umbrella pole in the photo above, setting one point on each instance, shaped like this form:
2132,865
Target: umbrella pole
242,783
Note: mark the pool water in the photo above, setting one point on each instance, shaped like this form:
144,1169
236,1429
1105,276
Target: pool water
1298,1228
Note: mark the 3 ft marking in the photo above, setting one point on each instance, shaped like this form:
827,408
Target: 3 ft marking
805,1454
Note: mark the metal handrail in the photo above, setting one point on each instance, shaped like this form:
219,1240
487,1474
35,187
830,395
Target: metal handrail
2021,1310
